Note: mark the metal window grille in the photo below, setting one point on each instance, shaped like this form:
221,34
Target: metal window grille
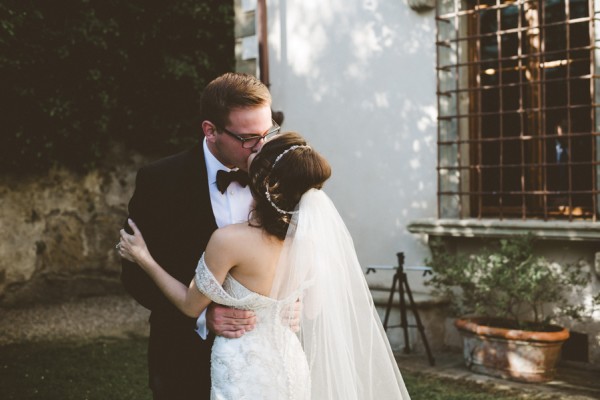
518,133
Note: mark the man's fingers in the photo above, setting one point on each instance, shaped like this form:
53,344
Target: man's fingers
234,313
239,321
232,334
298,305
234,327
233,324
231,331
291,316
229,322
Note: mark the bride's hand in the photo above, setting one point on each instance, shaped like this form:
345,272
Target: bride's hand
133,247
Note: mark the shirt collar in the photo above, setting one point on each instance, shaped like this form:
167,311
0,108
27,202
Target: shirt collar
212,164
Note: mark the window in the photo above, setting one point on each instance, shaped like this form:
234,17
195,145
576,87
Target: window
518,109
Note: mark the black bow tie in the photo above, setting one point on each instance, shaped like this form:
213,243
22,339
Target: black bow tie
224,178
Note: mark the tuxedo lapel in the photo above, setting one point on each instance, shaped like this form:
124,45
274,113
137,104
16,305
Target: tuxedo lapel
197,180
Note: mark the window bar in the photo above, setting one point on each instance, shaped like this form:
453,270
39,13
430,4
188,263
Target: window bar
490,192
568,133
458,109
439,125
541,191
501,107
540,110
543,113
522,121
573,135
542,89
573,78
594,147
448,43
508,112
479,121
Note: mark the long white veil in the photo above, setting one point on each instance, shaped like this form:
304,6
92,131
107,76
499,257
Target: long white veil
348,353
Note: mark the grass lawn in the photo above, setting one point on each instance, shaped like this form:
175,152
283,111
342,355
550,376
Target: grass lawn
115,369
107,369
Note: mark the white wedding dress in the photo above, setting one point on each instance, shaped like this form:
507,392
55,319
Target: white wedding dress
266,363
341,352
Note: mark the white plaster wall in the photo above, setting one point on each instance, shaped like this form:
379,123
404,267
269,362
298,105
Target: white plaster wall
357,79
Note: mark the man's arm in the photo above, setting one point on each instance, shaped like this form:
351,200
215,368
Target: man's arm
229,322
233,323
135,281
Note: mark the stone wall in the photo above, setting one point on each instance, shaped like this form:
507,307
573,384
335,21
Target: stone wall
58,231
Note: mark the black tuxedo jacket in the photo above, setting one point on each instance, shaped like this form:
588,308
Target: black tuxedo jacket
171,206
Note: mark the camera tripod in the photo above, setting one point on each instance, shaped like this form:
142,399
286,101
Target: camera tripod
400,282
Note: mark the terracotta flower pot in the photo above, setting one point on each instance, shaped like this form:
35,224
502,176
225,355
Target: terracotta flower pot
520,355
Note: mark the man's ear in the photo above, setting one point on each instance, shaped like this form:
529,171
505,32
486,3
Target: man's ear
210,131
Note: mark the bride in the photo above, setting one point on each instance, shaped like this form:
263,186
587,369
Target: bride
295,247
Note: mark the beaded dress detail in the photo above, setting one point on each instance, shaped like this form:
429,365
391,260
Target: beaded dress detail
266,363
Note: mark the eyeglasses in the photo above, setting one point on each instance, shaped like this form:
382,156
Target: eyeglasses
249,142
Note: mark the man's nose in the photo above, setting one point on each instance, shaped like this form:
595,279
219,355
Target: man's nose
259,145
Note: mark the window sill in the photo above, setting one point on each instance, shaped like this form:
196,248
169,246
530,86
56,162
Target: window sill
557,230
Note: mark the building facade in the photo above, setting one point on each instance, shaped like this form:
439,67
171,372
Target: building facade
463,119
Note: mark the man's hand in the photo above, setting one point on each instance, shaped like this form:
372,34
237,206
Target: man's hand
229,322
291,316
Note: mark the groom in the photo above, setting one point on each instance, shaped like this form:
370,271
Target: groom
178,203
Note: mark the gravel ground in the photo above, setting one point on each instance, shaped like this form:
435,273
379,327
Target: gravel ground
107,316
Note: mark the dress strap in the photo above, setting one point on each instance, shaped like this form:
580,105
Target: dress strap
208,285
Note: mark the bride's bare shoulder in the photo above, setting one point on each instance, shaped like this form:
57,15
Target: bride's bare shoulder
242,229
237,234
229,243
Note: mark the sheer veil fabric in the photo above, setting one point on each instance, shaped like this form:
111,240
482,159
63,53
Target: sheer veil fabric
347,350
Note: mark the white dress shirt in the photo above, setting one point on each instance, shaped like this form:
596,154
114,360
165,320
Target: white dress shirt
231,207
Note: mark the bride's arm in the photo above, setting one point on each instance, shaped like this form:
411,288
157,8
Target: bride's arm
188,299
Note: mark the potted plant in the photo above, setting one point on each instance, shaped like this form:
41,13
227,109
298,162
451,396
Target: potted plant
507,298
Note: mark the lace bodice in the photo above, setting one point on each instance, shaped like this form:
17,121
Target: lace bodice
265,363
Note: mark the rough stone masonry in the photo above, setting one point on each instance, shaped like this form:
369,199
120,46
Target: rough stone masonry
58,231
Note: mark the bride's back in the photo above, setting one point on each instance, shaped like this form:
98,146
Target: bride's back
253,254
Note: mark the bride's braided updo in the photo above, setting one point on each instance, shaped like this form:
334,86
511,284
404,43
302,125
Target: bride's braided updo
284,169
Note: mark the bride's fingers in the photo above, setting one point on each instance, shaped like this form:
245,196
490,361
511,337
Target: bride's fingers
126,252
124,235
133,226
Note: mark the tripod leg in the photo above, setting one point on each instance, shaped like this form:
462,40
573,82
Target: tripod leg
420,326
389,304
403,319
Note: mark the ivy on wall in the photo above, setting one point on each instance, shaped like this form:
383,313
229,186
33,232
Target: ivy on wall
77,75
